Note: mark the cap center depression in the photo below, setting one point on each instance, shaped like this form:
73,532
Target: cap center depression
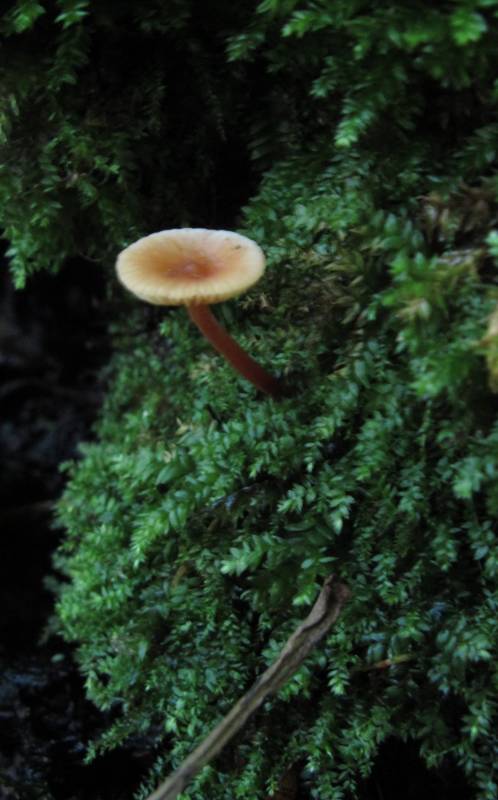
194,270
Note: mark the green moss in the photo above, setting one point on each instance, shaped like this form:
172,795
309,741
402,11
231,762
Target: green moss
206,517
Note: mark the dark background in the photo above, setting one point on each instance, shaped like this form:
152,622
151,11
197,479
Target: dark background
53,345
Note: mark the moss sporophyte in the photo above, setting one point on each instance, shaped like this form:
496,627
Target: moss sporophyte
195,267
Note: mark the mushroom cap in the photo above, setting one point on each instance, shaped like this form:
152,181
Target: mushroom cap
190,266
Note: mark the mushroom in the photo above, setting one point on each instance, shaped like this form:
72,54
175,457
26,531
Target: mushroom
195,267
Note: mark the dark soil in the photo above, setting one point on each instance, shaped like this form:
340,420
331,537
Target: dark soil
53,344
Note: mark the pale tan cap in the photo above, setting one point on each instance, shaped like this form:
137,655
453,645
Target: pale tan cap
190,266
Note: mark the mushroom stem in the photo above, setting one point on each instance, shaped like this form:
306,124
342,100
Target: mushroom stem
221,340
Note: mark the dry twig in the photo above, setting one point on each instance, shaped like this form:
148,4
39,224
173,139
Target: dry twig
322,616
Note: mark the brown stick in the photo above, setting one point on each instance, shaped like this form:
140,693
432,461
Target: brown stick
203,317
322,616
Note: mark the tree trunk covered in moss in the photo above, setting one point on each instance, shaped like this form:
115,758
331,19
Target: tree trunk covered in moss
357,144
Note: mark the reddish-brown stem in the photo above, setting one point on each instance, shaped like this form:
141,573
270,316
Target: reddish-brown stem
221,340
